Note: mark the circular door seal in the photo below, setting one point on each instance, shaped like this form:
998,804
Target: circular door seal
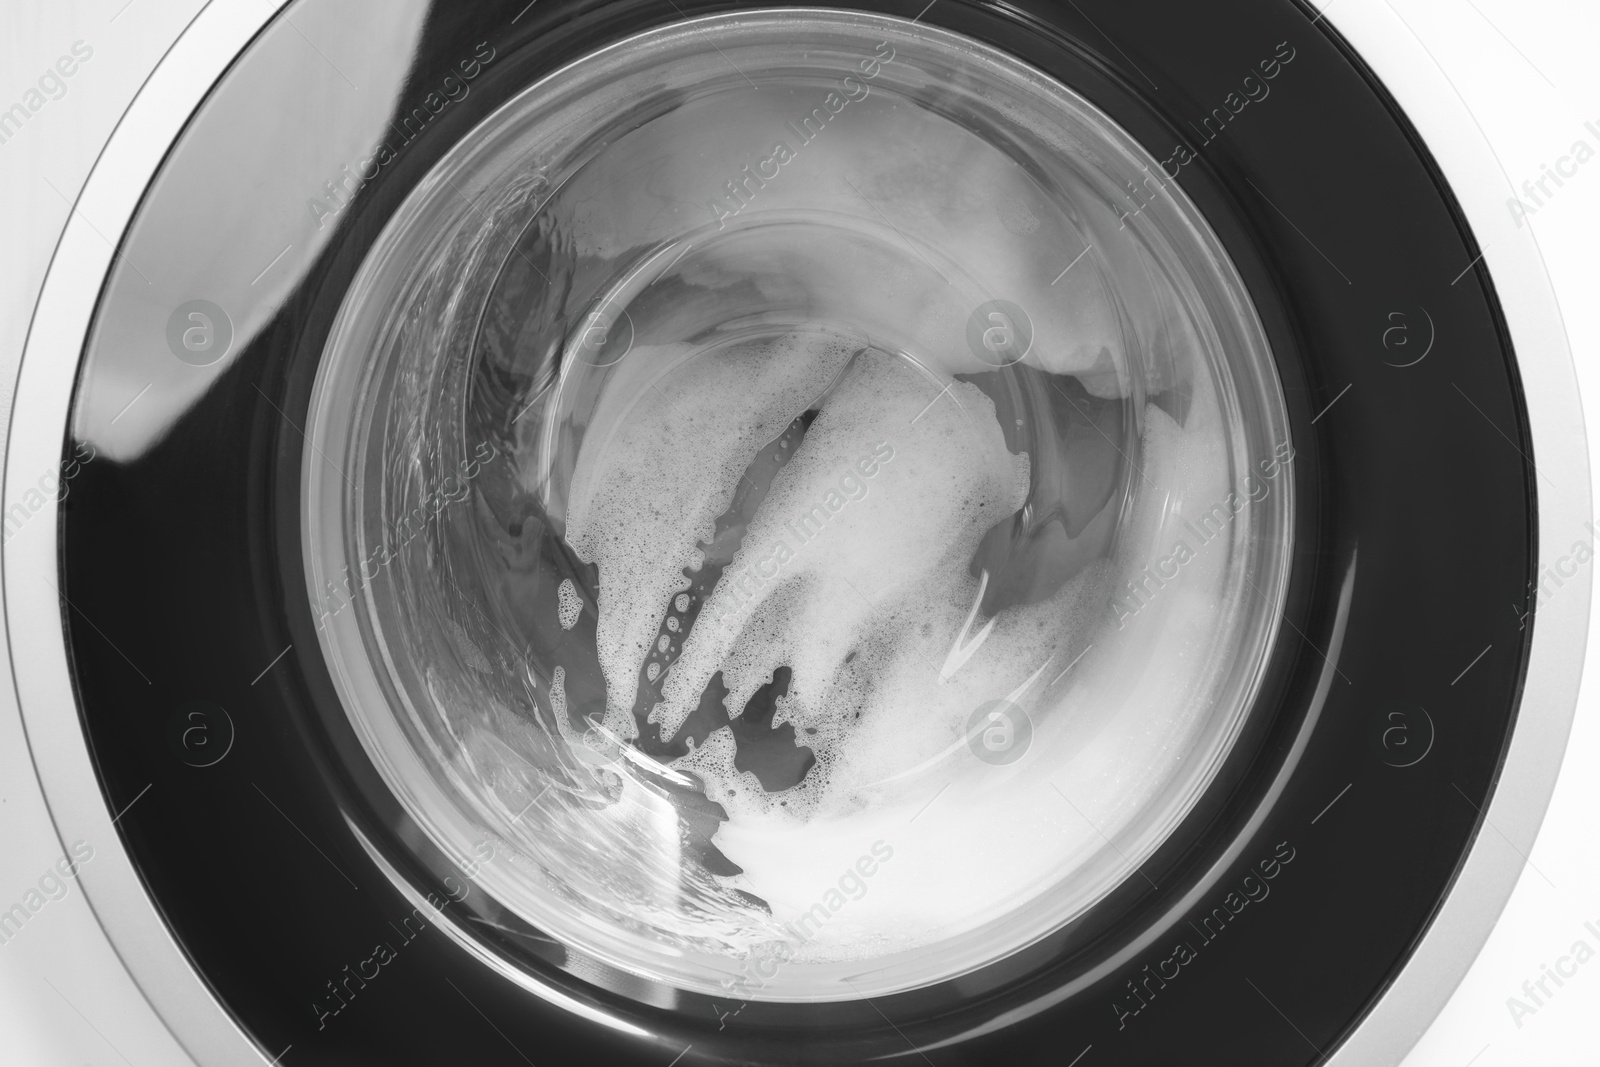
1261,928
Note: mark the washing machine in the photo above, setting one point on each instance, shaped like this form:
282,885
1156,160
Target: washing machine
671,533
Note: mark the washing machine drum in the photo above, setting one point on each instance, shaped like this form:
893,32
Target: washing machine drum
616,531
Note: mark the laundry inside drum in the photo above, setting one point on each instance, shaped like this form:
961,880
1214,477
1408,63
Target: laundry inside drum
808,507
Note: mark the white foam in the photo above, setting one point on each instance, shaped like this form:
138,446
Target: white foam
871,604
569,604
846,575
664,469
973,842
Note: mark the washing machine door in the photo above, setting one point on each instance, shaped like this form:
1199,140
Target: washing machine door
648,533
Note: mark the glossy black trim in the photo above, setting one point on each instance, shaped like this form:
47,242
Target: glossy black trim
1415,534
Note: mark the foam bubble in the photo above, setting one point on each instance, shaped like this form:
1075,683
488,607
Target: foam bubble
1113,710
569,605
664,468
854,570
854,574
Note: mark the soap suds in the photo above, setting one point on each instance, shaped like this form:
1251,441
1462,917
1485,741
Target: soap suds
855,575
